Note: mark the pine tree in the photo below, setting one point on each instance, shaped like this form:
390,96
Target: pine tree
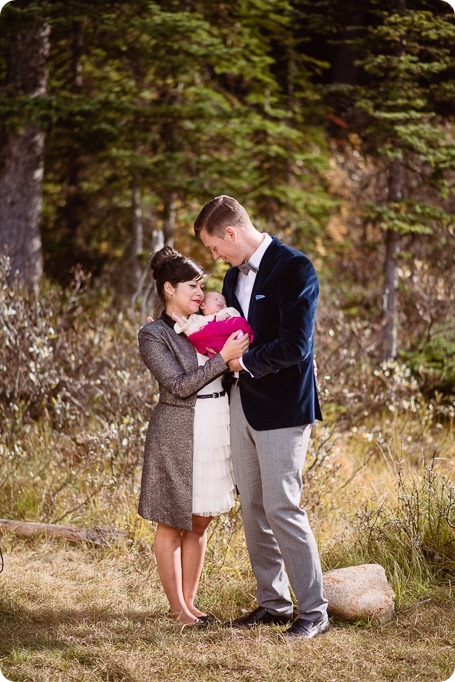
395,100
153,107
399,108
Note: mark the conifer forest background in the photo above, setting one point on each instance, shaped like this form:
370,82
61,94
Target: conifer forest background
333,123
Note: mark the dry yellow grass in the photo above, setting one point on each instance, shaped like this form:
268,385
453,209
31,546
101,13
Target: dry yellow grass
77,614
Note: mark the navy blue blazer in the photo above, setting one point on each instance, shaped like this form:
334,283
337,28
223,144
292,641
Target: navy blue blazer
282,391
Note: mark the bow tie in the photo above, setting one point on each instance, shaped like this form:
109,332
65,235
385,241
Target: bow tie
246,266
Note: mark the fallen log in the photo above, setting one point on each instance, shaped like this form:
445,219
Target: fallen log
94,536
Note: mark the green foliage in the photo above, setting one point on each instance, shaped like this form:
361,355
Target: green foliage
434,363
399,104
354,384
184,102
408,217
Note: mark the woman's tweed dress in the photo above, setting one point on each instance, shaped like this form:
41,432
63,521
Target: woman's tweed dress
167,474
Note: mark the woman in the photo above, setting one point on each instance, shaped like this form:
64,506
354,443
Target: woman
180,497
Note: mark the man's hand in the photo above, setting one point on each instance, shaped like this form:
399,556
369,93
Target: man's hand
149,319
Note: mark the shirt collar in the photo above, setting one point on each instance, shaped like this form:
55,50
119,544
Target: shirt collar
256,258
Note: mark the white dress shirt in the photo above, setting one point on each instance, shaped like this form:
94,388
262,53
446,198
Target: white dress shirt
245,283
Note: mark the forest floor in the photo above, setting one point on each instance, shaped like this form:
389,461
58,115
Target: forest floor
75,613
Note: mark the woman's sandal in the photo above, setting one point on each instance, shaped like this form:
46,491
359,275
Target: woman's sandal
198,623
209,619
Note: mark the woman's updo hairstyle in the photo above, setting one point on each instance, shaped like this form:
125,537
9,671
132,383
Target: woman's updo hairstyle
168,265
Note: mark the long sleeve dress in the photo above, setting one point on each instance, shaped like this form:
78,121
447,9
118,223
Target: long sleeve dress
172,445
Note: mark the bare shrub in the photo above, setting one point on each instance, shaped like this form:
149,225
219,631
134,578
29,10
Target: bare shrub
355,384
74,397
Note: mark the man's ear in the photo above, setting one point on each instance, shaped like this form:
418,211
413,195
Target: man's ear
230,233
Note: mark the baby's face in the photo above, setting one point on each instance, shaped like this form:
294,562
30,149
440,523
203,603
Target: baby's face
213,302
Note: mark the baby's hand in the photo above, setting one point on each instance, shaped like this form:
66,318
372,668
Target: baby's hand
223,315
180,319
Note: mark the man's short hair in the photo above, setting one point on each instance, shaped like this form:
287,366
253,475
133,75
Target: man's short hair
220,213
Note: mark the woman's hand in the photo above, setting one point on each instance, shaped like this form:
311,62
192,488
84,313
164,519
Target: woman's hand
235,346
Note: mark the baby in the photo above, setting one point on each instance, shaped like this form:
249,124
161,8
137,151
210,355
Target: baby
208,332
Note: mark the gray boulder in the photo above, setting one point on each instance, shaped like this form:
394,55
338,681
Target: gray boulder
359,593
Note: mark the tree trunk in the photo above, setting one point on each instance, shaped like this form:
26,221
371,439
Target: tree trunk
73,210
389,329
169,218
138,232
344,63
21,161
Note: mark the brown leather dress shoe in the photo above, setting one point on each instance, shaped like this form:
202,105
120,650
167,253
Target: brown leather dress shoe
260,616
306,628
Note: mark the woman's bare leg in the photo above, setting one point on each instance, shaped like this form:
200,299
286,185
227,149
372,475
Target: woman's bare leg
168,552
194,545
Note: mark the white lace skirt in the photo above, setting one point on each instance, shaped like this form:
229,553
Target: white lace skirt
213,479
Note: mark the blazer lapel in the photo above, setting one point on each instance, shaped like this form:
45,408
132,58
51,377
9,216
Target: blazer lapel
232,286
265,267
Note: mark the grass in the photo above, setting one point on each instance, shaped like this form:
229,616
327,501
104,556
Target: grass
71,442
79,613
72,613
75,613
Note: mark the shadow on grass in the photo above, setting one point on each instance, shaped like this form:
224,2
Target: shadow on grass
118,644
85,635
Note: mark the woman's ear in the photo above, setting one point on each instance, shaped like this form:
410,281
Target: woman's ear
169,289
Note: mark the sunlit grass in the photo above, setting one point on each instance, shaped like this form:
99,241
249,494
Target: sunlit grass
83,613
79,614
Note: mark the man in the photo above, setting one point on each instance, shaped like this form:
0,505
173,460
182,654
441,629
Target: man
273,404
